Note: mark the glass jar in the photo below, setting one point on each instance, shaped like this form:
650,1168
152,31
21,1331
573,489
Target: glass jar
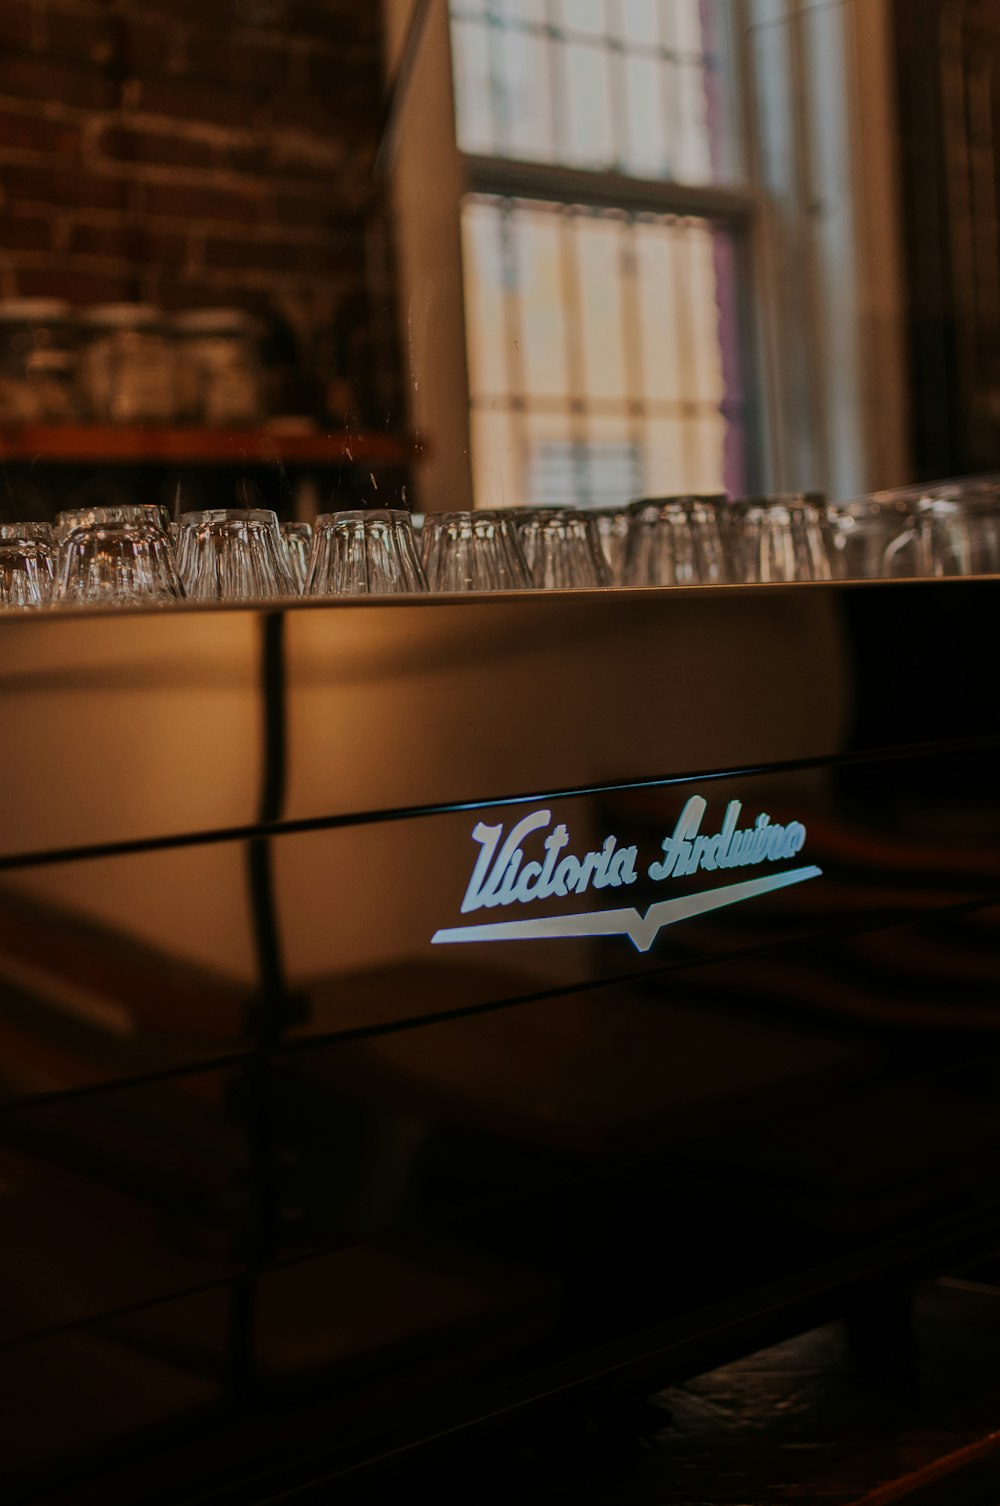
36,361
126,365
218,366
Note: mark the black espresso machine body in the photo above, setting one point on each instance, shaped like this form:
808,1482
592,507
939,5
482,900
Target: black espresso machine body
413,1011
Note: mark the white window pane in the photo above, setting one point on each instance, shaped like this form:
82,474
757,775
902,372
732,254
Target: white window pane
534,11
639,22
587,124
692,155
582,16
471,67
664,457
495,479
613,461
550,476
711,453
528,95
647,154
655,251
539,252
601,314
682,24
485,294
706,382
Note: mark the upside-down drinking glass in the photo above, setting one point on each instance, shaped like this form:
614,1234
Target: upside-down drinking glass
472,551
562,548
613,526
142,514
364,552
784,539
297,539
861,534
950,531
117,564
43,537
233,554
676,541
25,574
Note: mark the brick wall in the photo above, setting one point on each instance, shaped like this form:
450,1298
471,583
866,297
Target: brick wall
191,153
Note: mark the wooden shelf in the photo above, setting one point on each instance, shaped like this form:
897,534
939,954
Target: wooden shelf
66,444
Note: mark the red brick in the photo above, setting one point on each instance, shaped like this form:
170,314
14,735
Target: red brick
16,24
192,202
160,148
80,33
145,45
62,186
207,54
307,157
342,24
25,233
241,59
126,243
341,204
192,102
172,11
249,156
331,113
353,69
174,292
264,65
32,133
83,88
281,256
75,285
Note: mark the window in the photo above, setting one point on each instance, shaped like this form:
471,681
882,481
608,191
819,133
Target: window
601,244
721,172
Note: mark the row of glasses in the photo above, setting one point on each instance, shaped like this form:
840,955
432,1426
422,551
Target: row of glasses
133,554
128,555
949,528
706,540
363,552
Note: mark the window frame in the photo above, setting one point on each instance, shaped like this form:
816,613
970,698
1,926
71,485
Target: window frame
806,426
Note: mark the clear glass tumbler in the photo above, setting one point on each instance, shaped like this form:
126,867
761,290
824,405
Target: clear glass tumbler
140,514
861,535
562,548
43,537
613,526
364,552
233,554
25,576
946,536
784,538
118,564
472,551
297,539
676,541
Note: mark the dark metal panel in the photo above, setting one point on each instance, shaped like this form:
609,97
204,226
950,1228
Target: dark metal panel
117,1199
137,727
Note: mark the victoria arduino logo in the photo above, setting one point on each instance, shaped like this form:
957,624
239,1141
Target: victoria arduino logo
521,866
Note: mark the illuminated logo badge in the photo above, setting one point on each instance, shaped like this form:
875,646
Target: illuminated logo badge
501,877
